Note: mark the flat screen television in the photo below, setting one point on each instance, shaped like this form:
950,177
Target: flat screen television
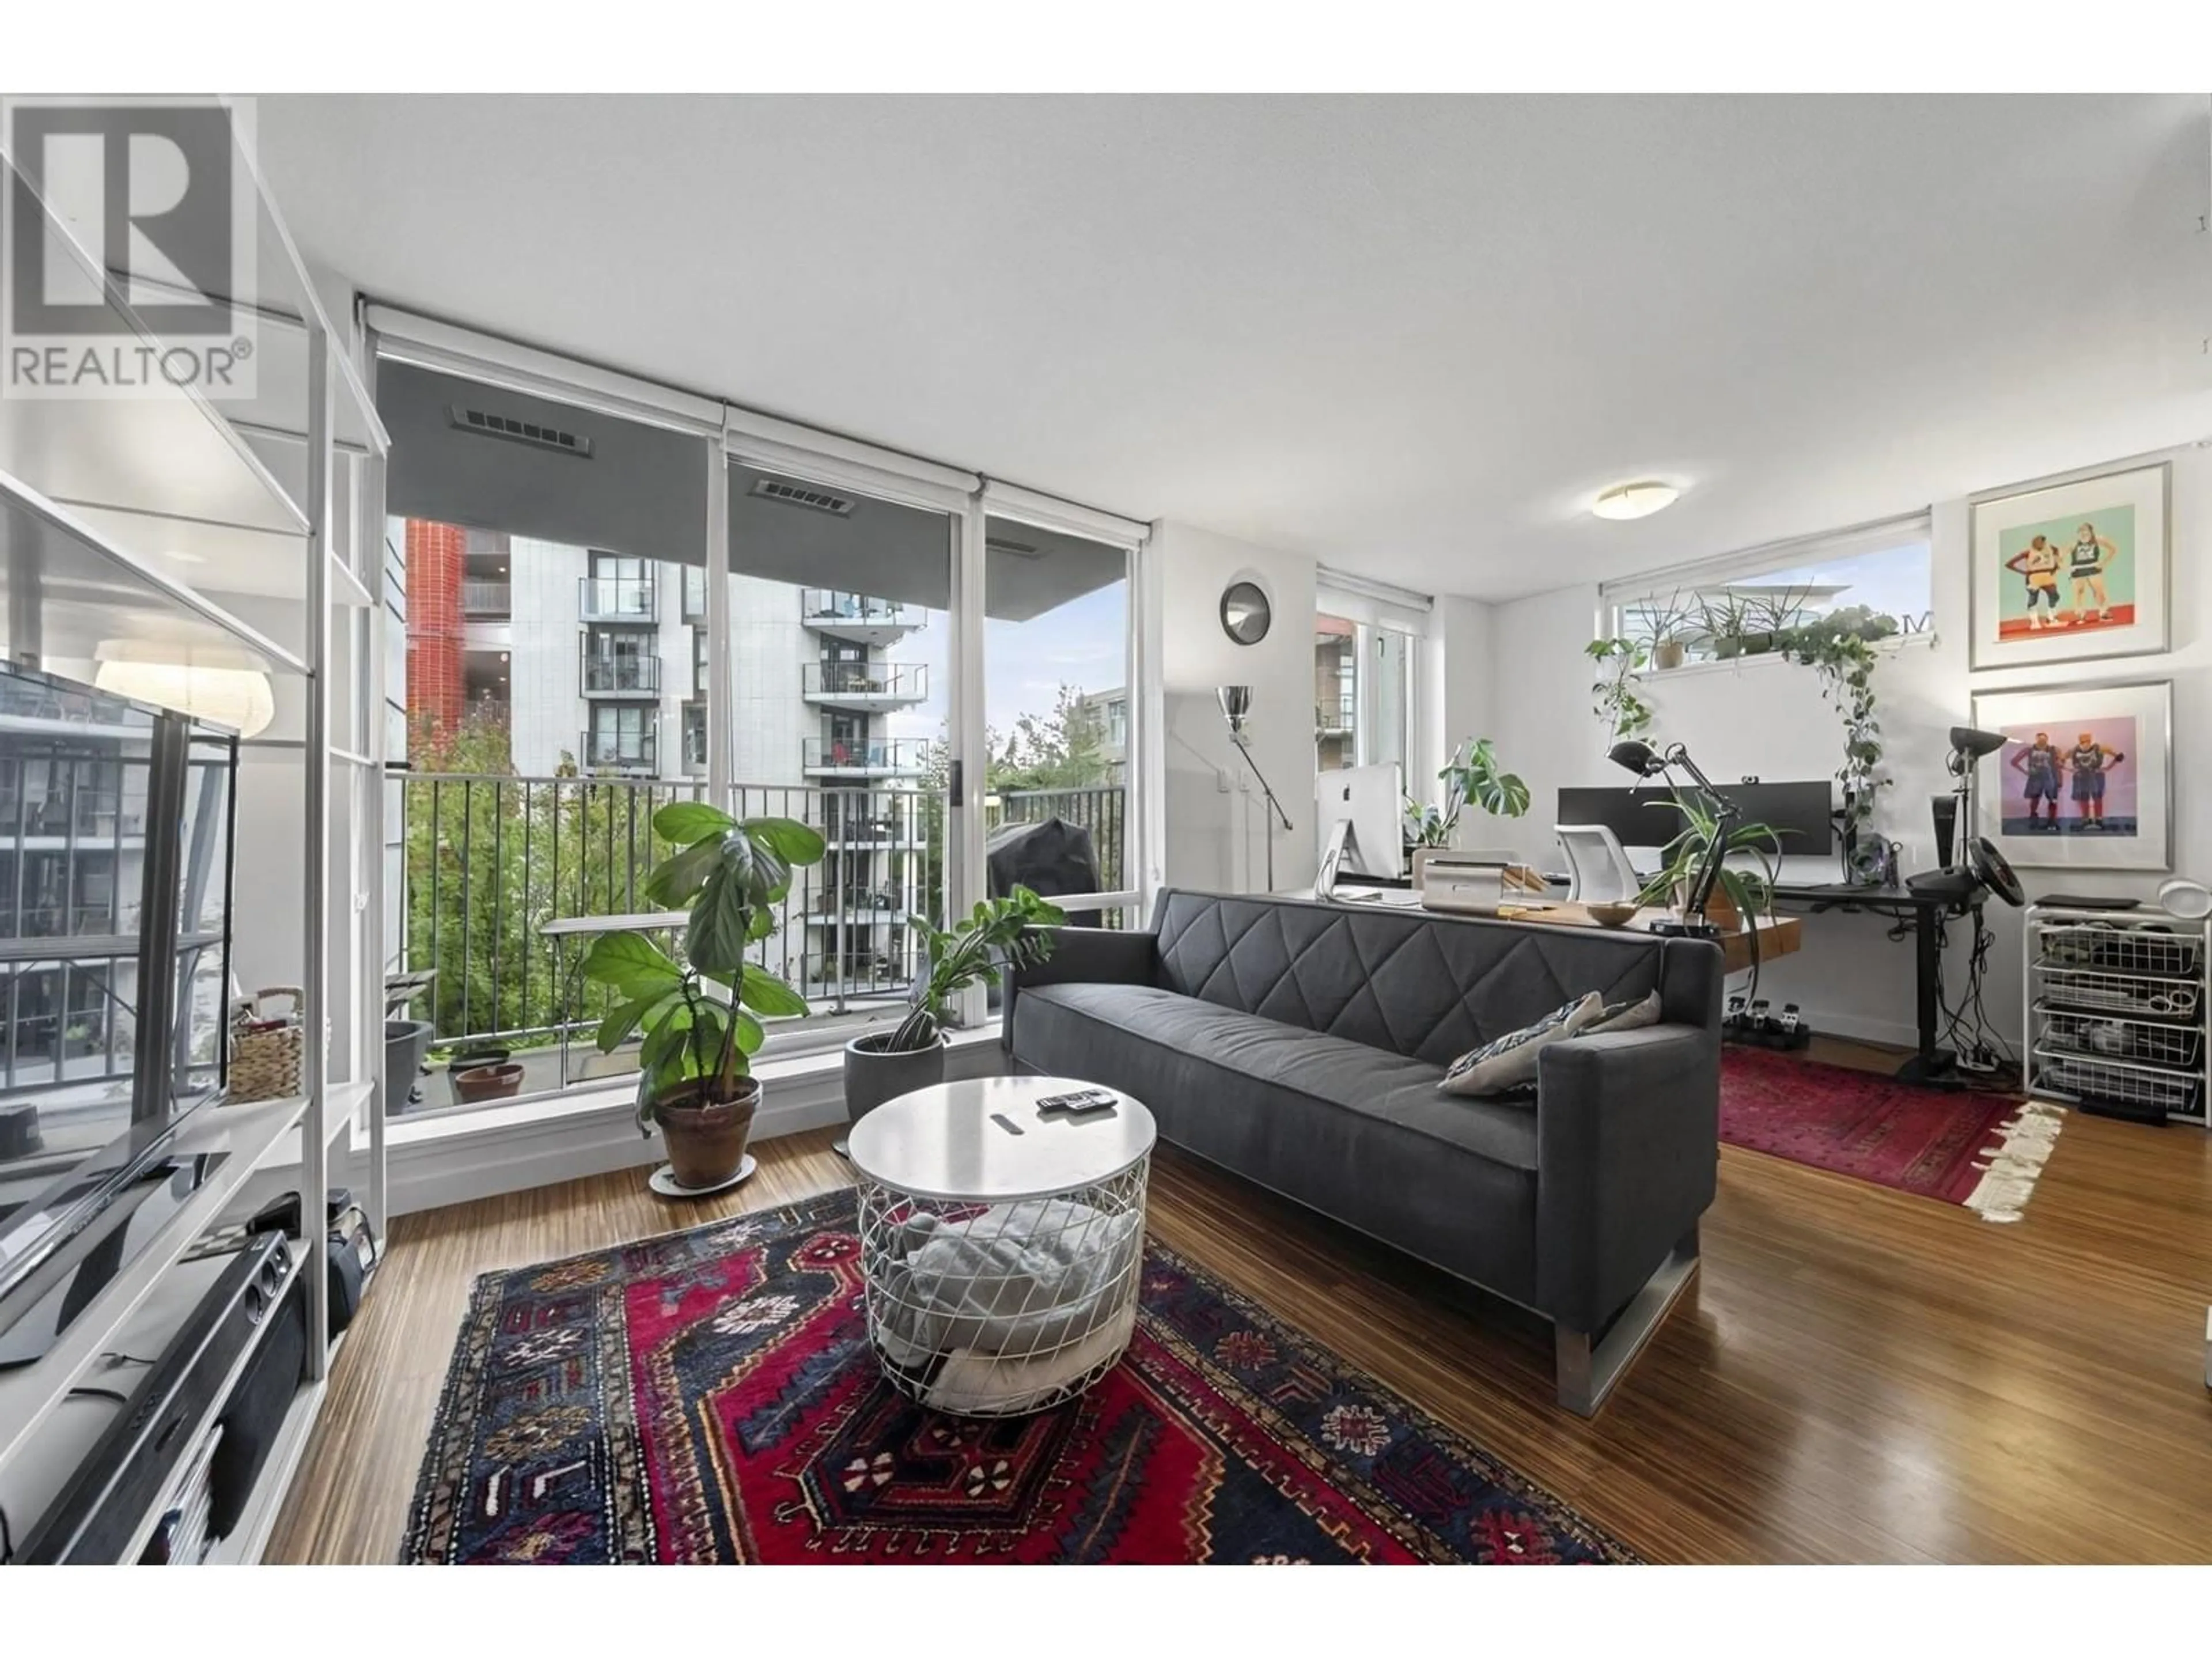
116,829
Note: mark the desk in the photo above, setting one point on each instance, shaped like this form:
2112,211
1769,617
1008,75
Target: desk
1776,936
1779,936
1927,913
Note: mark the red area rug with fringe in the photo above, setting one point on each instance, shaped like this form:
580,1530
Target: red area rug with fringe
1982,1151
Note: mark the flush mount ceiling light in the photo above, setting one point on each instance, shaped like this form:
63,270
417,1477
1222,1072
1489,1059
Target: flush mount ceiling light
1635,501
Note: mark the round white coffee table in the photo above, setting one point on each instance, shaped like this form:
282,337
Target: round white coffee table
1001,1246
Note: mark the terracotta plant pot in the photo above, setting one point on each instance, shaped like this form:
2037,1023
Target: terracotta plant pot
707,1143
1668,653
872,1076
480,1083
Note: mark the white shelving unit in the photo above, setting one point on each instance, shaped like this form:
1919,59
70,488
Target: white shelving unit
252,527
2116,1012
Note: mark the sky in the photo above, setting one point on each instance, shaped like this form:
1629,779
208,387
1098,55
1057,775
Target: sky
1084,643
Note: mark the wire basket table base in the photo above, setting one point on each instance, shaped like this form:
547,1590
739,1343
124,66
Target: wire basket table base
999,1310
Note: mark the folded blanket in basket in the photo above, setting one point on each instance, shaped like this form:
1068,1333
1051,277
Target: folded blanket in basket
1016,1280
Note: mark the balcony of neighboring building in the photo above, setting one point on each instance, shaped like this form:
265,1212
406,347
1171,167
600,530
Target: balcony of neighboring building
632,675
487,598
622,749
832,758
861,618
866,687
857,906
602,599
1333,716
694,739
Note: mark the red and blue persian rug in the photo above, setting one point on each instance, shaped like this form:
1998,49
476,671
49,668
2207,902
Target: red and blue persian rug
709,1396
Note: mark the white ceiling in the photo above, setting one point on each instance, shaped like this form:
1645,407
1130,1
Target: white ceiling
1412,336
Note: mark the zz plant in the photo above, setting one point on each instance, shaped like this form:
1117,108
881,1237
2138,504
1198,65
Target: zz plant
701,1015
970,952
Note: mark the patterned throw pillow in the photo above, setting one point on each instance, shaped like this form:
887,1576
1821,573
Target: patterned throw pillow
1511,1061
1626,1016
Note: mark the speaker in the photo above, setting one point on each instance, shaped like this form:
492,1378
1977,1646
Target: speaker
1946,811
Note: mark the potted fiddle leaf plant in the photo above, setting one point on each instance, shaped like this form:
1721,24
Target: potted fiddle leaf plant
701,1014
998,933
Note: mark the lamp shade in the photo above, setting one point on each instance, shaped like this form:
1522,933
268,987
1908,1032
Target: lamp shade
228,688
1236,703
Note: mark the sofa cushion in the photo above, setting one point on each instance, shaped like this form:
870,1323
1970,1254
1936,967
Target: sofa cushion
1509,1063
1625,1016
1414,982
1355,1132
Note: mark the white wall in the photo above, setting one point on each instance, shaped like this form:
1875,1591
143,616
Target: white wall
1216,819
1458,687
1766,717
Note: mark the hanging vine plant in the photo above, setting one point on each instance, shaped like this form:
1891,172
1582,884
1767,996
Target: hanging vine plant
1613,698
1839,647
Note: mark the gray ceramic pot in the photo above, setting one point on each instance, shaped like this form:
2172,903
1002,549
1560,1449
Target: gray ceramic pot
872,1076
406,1042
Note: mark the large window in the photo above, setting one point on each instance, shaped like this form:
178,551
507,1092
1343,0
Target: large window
840,634
583,645
1365,663
1744,604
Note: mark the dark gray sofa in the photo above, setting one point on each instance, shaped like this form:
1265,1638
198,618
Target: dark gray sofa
1299,1045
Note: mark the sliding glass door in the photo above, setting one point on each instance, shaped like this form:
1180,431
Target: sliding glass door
1058,715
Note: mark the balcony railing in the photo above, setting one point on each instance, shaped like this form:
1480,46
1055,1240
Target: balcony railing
1333,717
830,605
491,860
487,600
626,676
1101,810
865,682
906,759
618,599
620,751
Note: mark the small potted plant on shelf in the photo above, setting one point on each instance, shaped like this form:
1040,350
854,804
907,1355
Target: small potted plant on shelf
883,1066
1672,622
701,1016
1473,777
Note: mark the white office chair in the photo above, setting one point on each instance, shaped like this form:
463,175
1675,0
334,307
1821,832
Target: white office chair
1599,872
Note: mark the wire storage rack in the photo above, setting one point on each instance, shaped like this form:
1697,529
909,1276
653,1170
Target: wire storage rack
2116,1015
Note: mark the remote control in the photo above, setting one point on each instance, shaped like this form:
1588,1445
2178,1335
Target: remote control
1081,1102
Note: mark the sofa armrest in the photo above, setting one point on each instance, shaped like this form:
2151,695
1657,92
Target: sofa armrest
1627,1150
1080,956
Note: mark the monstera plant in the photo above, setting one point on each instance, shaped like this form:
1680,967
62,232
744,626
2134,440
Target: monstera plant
700,1012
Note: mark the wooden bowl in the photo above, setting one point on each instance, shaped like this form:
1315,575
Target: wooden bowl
1612,916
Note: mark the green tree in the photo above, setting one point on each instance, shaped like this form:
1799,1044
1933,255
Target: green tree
1063,750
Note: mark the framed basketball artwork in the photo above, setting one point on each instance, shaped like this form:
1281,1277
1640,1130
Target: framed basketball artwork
2085,780
2072,572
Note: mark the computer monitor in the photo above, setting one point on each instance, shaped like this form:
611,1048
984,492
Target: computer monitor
1359,818
1641,814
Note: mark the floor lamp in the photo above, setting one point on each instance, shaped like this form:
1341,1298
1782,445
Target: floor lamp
1236,703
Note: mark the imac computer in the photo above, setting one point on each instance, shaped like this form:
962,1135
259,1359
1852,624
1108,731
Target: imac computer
1359,818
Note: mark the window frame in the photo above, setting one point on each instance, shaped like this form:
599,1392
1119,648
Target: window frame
1842,546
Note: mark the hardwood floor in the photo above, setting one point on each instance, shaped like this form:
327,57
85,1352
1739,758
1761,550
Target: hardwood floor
1856,1374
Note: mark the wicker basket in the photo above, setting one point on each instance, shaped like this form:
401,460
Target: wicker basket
264,1058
